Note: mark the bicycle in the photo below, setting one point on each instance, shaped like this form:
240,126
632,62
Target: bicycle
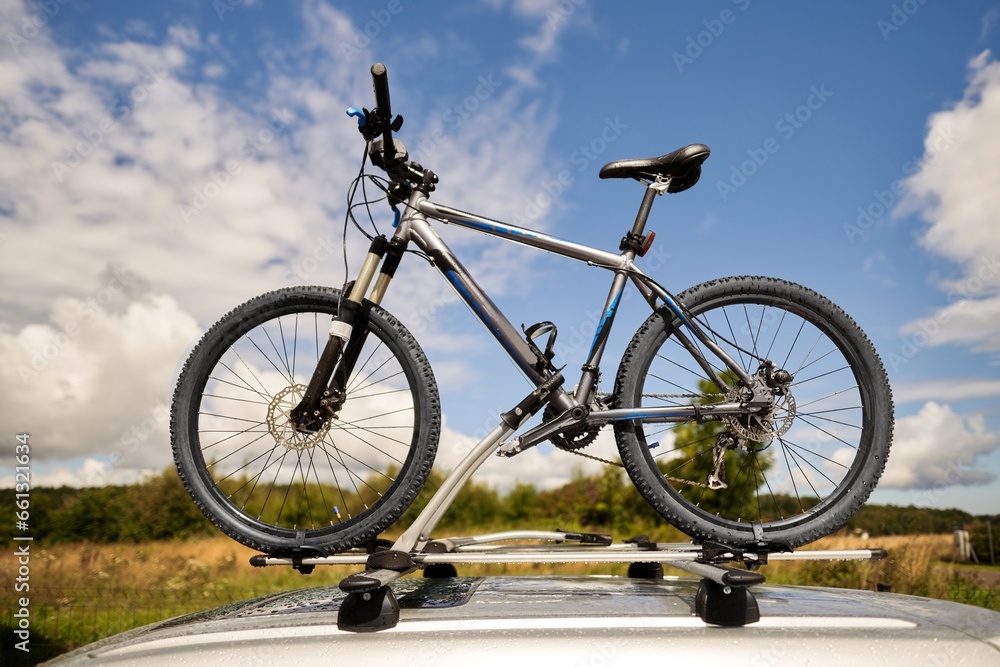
747,411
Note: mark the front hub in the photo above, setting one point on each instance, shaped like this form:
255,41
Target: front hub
281,425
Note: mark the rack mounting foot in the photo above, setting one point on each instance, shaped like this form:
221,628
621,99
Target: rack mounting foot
728,606
369,611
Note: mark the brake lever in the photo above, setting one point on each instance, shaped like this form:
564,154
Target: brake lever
362,116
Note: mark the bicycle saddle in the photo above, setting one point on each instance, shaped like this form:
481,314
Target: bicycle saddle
683,166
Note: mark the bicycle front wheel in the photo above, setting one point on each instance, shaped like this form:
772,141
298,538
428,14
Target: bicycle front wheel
790,477
279,490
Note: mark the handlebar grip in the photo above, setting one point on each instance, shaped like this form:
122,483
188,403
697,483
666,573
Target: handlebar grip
380,80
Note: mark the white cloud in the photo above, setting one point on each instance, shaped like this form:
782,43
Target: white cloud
954,389
550,18
938,447
543,466
104,148
91,472
956,192
974,323
87,379
955,189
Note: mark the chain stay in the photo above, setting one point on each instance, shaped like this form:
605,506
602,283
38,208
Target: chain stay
677,480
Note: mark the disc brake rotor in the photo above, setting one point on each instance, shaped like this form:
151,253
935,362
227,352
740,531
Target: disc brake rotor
280,425
763,427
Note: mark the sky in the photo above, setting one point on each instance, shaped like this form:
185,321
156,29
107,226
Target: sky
162,162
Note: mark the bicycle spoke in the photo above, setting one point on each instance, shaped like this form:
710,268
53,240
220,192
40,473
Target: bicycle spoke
230,398
263,354
823,398
379,450
743,363
247,386
295,344
235,451
827,419
282,359
784,364
776,332
799,383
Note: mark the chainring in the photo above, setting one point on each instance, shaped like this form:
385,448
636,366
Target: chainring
572,439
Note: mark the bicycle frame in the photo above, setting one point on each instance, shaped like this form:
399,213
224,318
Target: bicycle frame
414,227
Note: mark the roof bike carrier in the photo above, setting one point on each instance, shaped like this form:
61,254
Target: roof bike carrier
724,597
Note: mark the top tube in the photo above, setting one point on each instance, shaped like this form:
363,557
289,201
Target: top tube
577,251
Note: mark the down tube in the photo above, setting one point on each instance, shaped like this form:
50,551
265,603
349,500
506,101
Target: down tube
481,305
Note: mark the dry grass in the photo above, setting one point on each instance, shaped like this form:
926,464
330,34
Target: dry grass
215,564
207,564
917,565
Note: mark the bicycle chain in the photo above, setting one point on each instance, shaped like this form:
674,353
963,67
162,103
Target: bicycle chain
577,452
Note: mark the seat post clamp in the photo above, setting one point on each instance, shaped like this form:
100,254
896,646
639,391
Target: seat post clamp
661,184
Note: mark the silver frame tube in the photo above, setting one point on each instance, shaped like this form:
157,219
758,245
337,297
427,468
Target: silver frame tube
414,227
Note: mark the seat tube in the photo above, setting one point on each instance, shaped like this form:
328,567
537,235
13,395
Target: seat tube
424,236
591,368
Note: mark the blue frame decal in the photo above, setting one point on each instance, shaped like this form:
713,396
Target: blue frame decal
496,228
604,319
483,315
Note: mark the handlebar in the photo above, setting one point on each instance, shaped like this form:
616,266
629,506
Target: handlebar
380,81
389,154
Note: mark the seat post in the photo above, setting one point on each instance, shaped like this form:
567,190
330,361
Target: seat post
657,187
644,209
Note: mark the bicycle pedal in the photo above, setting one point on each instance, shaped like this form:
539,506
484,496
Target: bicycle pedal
510,448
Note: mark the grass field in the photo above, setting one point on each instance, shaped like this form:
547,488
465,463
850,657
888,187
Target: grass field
82,592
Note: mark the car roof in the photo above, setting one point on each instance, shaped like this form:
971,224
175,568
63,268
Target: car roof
565,620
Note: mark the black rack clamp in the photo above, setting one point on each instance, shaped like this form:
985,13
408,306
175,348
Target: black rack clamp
531,403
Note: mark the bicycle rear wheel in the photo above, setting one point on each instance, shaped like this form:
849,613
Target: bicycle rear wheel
278,490
788,478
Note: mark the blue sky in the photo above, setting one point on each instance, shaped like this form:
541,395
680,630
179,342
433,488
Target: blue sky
855,149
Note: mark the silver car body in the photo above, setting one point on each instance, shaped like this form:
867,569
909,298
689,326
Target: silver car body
578,621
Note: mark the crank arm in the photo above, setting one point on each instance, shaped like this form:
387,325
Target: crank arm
543,432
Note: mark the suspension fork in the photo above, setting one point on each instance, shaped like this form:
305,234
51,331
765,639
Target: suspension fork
326,392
